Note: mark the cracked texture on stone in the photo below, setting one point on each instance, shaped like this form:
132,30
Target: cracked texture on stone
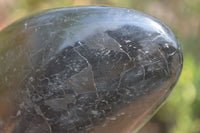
85,69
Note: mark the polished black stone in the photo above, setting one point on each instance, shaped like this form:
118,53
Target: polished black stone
85,69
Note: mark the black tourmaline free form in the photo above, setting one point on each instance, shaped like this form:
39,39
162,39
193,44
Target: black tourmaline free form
85,70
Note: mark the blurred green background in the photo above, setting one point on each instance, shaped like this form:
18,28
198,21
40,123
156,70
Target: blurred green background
181,113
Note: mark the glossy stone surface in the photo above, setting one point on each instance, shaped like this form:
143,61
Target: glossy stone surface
85,69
